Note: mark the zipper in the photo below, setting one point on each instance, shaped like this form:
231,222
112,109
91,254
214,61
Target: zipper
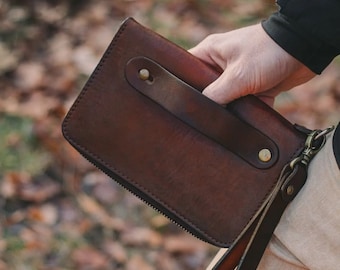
151,202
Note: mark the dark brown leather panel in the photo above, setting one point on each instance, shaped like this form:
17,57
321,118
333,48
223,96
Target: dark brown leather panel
184,102
200,184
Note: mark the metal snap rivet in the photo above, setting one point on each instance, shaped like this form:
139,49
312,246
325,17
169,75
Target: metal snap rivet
290,190
265,155
144,74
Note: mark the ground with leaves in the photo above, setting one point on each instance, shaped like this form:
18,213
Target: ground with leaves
57,210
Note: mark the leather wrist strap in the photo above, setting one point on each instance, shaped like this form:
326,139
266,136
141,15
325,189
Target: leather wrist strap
247,251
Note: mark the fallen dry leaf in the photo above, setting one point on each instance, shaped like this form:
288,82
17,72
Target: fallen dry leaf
37,105
182,244
98,213
36,239
116,251
142,237
46,214
165,261
8,59
30,76
12,183
39,192
138,262
89,258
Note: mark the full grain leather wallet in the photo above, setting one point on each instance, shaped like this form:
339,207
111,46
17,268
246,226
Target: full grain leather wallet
142,119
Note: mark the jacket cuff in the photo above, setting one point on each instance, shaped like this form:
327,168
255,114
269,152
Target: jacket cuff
313,53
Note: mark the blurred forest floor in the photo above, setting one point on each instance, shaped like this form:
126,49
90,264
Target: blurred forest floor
57,210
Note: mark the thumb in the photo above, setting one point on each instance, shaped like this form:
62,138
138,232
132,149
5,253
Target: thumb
226,88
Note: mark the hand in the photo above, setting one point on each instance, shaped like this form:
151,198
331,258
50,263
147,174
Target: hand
252,63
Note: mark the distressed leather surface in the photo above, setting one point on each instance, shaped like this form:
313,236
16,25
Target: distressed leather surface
186,103
197,182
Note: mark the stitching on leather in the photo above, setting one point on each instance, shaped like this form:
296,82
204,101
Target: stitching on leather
92,77
259,206
252,219
121,174
73,108
78,101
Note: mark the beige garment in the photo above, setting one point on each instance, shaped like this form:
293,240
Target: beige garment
308,234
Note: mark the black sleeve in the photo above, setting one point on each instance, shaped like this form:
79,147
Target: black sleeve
309,30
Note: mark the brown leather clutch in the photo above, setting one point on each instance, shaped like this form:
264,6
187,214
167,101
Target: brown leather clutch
142,119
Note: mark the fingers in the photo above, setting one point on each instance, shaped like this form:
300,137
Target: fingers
226,88
225,51
202,52
260,67
238,80
213,50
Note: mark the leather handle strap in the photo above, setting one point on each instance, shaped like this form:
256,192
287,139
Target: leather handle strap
247,252
269,220
232,256
291,180
186,103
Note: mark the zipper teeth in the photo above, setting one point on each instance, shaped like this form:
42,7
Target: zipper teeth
135,193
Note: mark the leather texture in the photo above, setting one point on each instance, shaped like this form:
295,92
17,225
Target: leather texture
193,160
186,103
247,251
